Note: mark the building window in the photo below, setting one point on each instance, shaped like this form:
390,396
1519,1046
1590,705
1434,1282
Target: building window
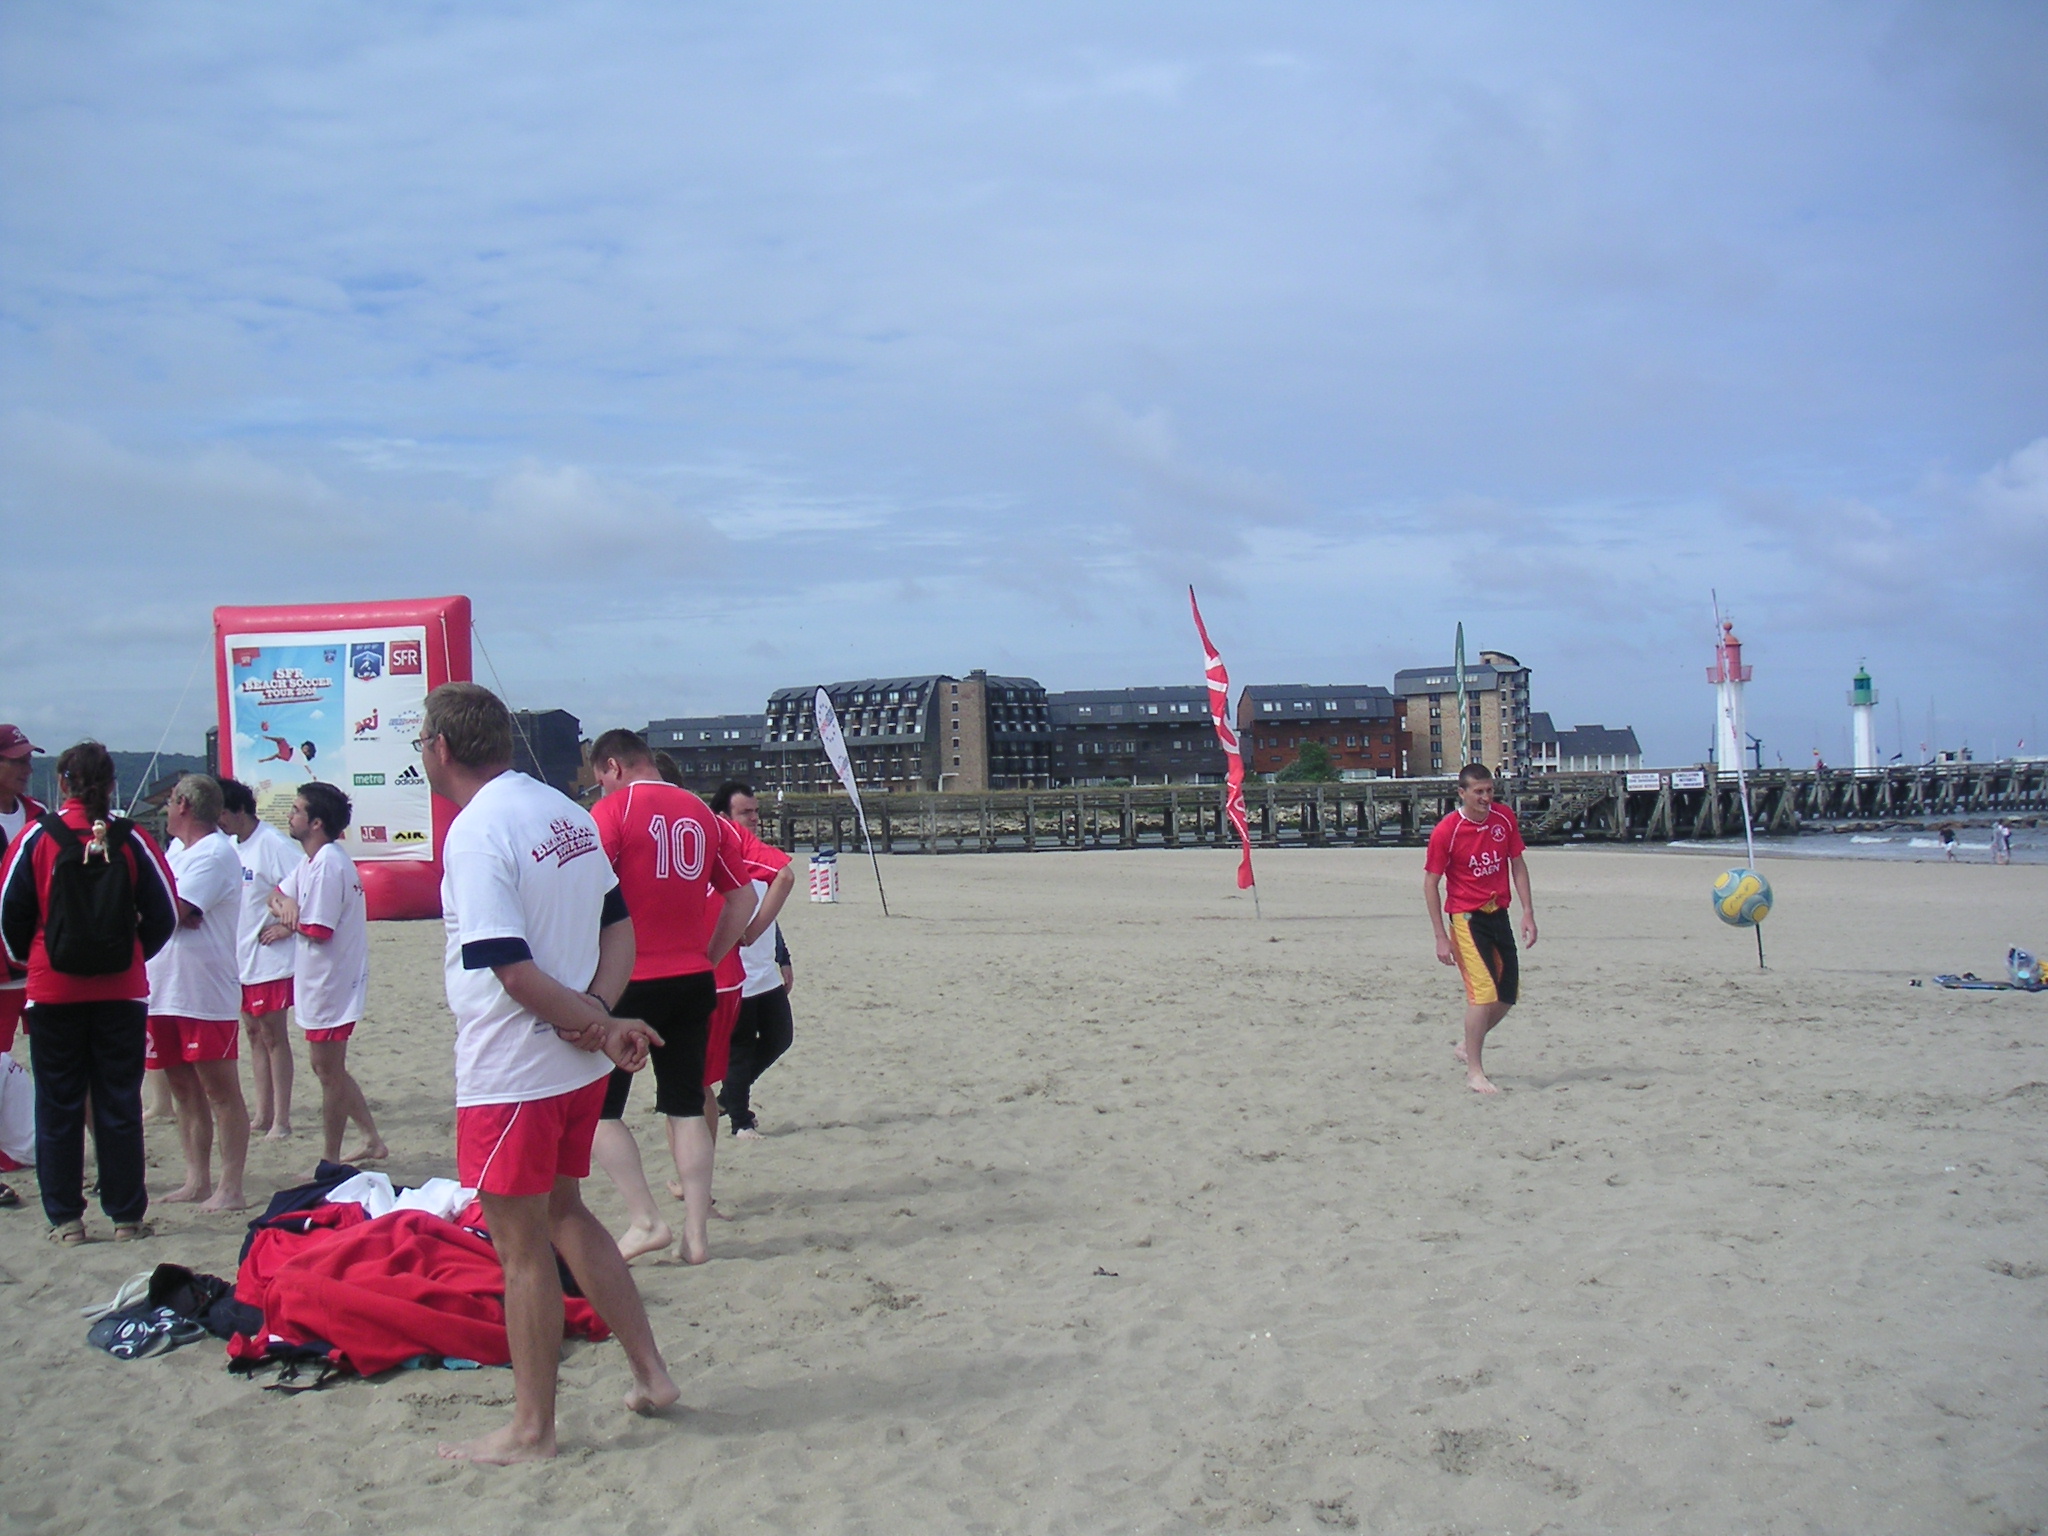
956,762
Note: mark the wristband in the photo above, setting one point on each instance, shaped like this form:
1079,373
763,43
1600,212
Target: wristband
607,1007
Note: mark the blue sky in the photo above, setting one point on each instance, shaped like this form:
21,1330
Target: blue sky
717,349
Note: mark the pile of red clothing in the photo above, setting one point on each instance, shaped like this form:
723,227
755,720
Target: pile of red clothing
332,1283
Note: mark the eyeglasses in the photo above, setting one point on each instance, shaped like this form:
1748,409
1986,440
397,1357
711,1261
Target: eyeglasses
419,743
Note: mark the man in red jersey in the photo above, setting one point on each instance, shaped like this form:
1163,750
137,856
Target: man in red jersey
1473,855
690,907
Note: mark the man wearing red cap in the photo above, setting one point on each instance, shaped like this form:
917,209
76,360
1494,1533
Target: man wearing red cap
17,809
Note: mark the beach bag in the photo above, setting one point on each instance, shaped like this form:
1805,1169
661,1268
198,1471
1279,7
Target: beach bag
89,921
17,1114
2024,970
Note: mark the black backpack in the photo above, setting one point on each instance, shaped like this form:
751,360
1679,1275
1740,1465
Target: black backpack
90,921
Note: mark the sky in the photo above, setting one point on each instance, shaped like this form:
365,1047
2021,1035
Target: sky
711,350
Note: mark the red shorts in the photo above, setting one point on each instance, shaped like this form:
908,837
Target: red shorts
322,1036
11,1001
521,1149
718,1049
261,997
172,1037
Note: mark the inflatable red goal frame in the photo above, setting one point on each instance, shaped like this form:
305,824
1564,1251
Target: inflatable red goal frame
334,691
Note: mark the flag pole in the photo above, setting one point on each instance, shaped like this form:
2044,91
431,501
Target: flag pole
833,740
874,862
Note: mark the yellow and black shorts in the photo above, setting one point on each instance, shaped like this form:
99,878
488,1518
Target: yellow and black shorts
1484,944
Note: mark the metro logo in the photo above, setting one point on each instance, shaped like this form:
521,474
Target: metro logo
369,780
405,658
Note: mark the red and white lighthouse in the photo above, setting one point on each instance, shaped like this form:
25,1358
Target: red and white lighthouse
1728,674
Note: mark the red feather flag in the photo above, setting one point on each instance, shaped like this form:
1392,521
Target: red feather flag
1219,712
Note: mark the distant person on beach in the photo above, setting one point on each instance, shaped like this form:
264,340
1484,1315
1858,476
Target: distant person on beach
89,1022
17,809
195,996
2001,842
690,907
769,870
764,1029
1948,844
319,908
540,947
268,857
1474,855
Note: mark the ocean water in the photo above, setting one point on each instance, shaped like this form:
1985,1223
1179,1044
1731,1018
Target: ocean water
1902,844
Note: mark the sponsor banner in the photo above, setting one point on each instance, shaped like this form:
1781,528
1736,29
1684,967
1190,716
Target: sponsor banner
1643,781
341,706
1689,778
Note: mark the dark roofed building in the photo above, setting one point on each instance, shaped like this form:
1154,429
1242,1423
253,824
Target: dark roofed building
711,749
930,732
1597,749
1144,735
547,744
1357,723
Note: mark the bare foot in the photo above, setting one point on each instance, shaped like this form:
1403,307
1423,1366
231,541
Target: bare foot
501,1448
692,1250
718,1215
675,1189
653,1396
1458,1051
377,1152
258,1127
1477,1082
226,1199
278,1133
636,1240
186,1193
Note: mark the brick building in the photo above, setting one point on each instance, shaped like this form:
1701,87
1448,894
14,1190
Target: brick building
1142,735
1358,723
1497,704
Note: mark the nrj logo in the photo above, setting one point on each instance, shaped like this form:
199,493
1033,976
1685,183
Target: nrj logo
366,728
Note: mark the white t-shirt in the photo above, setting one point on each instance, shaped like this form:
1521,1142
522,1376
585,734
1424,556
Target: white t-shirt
331,977
11,823
195,975
267,856
763,974
523,876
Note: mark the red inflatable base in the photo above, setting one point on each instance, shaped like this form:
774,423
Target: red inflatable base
397,892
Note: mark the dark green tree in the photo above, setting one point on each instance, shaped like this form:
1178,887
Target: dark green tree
1312,766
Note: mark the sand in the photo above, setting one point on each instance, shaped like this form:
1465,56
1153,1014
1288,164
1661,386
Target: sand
1093,1202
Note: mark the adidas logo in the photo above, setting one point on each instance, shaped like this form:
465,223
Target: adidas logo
412,775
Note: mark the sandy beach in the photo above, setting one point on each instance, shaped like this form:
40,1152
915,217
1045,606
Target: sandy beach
1094,1202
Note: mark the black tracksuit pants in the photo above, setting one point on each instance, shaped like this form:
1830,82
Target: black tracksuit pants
97,1048
760,1035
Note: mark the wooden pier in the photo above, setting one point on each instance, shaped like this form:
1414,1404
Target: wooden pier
1665,805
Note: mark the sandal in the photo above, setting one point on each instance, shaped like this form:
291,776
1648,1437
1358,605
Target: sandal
8,1198
67,1234
133,1231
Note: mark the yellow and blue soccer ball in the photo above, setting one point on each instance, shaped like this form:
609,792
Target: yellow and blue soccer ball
1742,898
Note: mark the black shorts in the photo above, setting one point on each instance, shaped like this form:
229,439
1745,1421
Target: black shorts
679,1009
1484,945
